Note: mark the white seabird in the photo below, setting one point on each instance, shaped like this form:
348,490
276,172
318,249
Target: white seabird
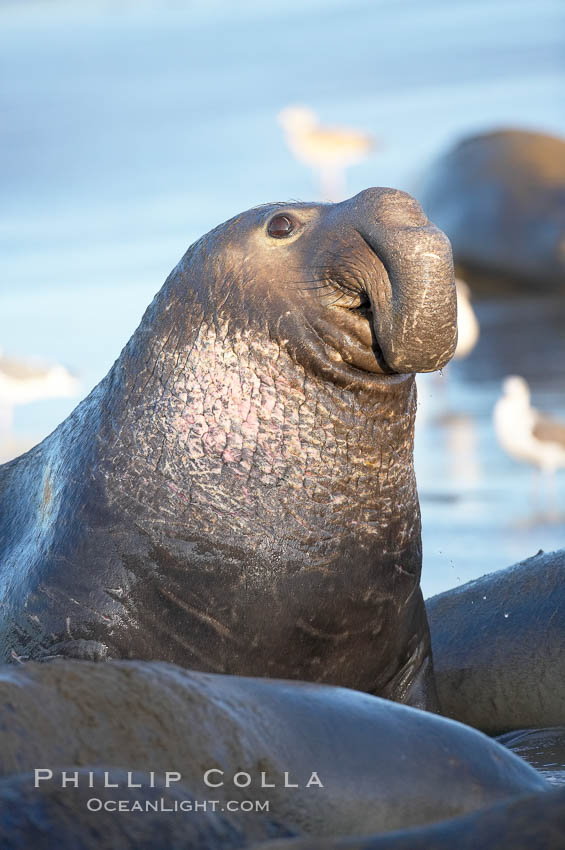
467,337
23,381
467,323
526,434
327,150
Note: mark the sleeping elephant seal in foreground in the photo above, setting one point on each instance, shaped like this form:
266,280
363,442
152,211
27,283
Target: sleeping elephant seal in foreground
499,646
533,822
328,761
238,494
500,197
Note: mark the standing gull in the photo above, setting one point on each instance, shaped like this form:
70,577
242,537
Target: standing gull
528,435
327,150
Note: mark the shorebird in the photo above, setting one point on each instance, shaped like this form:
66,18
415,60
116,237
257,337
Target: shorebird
327,150
528,435
22,381
467,322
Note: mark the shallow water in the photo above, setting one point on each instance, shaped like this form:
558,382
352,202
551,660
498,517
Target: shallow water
131,128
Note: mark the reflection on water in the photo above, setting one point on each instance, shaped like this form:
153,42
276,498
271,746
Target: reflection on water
462,451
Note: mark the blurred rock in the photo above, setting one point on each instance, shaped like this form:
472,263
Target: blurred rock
500,197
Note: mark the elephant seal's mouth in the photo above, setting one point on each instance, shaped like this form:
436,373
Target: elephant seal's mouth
364,315
359,346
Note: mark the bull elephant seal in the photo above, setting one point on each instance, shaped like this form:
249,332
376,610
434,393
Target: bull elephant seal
238,494
533,822
328,761
500,197
498,646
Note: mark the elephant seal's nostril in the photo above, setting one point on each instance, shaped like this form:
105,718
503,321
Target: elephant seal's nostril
388,207
398,209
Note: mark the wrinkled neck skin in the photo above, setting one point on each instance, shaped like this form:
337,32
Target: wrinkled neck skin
249,448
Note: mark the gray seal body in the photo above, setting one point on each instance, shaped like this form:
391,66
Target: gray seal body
499,646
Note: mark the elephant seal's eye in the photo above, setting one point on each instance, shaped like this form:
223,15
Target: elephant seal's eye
280,226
